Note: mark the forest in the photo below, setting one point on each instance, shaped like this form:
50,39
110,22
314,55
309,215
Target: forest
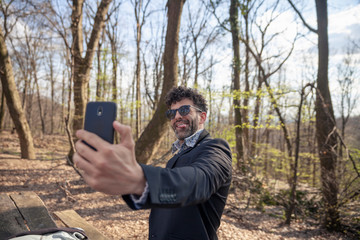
281,79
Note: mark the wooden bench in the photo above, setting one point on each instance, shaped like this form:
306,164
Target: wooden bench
25,211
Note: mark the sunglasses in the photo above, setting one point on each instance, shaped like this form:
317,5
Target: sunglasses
183,111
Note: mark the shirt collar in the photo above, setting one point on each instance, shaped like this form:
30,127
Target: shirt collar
188,142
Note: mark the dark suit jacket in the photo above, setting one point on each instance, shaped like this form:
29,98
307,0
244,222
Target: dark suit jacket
187,197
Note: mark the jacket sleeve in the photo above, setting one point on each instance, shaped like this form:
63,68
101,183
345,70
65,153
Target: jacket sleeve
208,169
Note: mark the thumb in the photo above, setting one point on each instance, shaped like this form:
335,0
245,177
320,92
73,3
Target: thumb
125,133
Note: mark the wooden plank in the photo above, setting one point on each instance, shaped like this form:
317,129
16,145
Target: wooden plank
11,221
33,210
71,219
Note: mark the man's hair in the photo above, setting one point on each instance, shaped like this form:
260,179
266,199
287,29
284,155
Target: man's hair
179,93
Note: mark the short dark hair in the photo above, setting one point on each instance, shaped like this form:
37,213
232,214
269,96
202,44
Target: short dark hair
177,94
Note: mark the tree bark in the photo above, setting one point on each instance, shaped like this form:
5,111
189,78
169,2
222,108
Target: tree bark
39,99
150,139
325,123
289,211
245,113
14,103
234,24
2,109
82,65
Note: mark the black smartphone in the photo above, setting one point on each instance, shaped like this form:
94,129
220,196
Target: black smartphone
99,118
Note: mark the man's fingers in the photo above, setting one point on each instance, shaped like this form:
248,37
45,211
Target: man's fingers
90,138
82,164
84,150
125,134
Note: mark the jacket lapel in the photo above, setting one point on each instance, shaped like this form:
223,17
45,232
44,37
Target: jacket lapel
173,160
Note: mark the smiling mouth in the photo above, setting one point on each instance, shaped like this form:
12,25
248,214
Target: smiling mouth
181,125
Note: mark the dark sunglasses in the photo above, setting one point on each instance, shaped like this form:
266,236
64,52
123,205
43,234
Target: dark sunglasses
183,111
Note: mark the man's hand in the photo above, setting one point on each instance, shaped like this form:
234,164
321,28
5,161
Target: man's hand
112,169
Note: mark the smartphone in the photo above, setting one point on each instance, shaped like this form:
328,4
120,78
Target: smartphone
99,118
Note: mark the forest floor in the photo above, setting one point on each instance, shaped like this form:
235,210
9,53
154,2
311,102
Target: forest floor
61,188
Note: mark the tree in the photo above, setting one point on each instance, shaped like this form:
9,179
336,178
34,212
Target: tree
201,37
236,67
13,101
157,52
150,139
9,88
246,7
140,16
291,207
116,45
82,65
347,73
325,121
2,109
234,28
268,66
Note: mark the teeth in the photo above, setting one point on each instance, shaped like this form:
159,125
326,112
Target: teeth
181,125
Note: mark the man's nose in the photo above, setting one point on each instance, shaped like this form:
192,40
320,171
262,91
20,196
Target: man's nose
177,115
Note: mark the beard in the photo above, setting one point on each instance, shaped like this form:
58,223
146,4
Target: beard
192,126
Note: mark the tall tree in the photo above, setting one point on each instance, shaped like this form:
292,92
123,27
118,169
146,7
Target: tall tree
140,10
9,88
325,121
115,45
236,67
235,34
245,8
13,101
82,65
52,77
150,139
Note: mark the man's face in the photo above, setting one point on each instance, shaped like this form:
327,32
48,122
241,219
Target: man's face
185,126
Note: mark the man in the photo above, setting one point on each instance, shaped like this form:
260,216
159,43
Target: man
187,197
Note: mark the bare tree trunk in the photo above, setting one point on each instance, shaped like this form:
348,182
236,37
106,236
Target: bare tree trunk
38,96
99,74
245,112
137,76
115,61
325,123
150,139
256,115
62,127
52,84
14,103
290,209
82,65
2,109
234,24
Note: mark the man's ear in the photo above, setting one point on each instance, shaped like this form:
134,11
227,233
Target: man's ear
203,116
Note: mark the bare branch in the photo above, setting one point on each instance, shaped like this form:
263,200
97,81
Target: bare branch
302,18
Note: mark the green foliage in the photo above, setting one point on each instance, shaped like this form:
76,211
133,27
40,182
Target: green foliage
227,133
277,161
